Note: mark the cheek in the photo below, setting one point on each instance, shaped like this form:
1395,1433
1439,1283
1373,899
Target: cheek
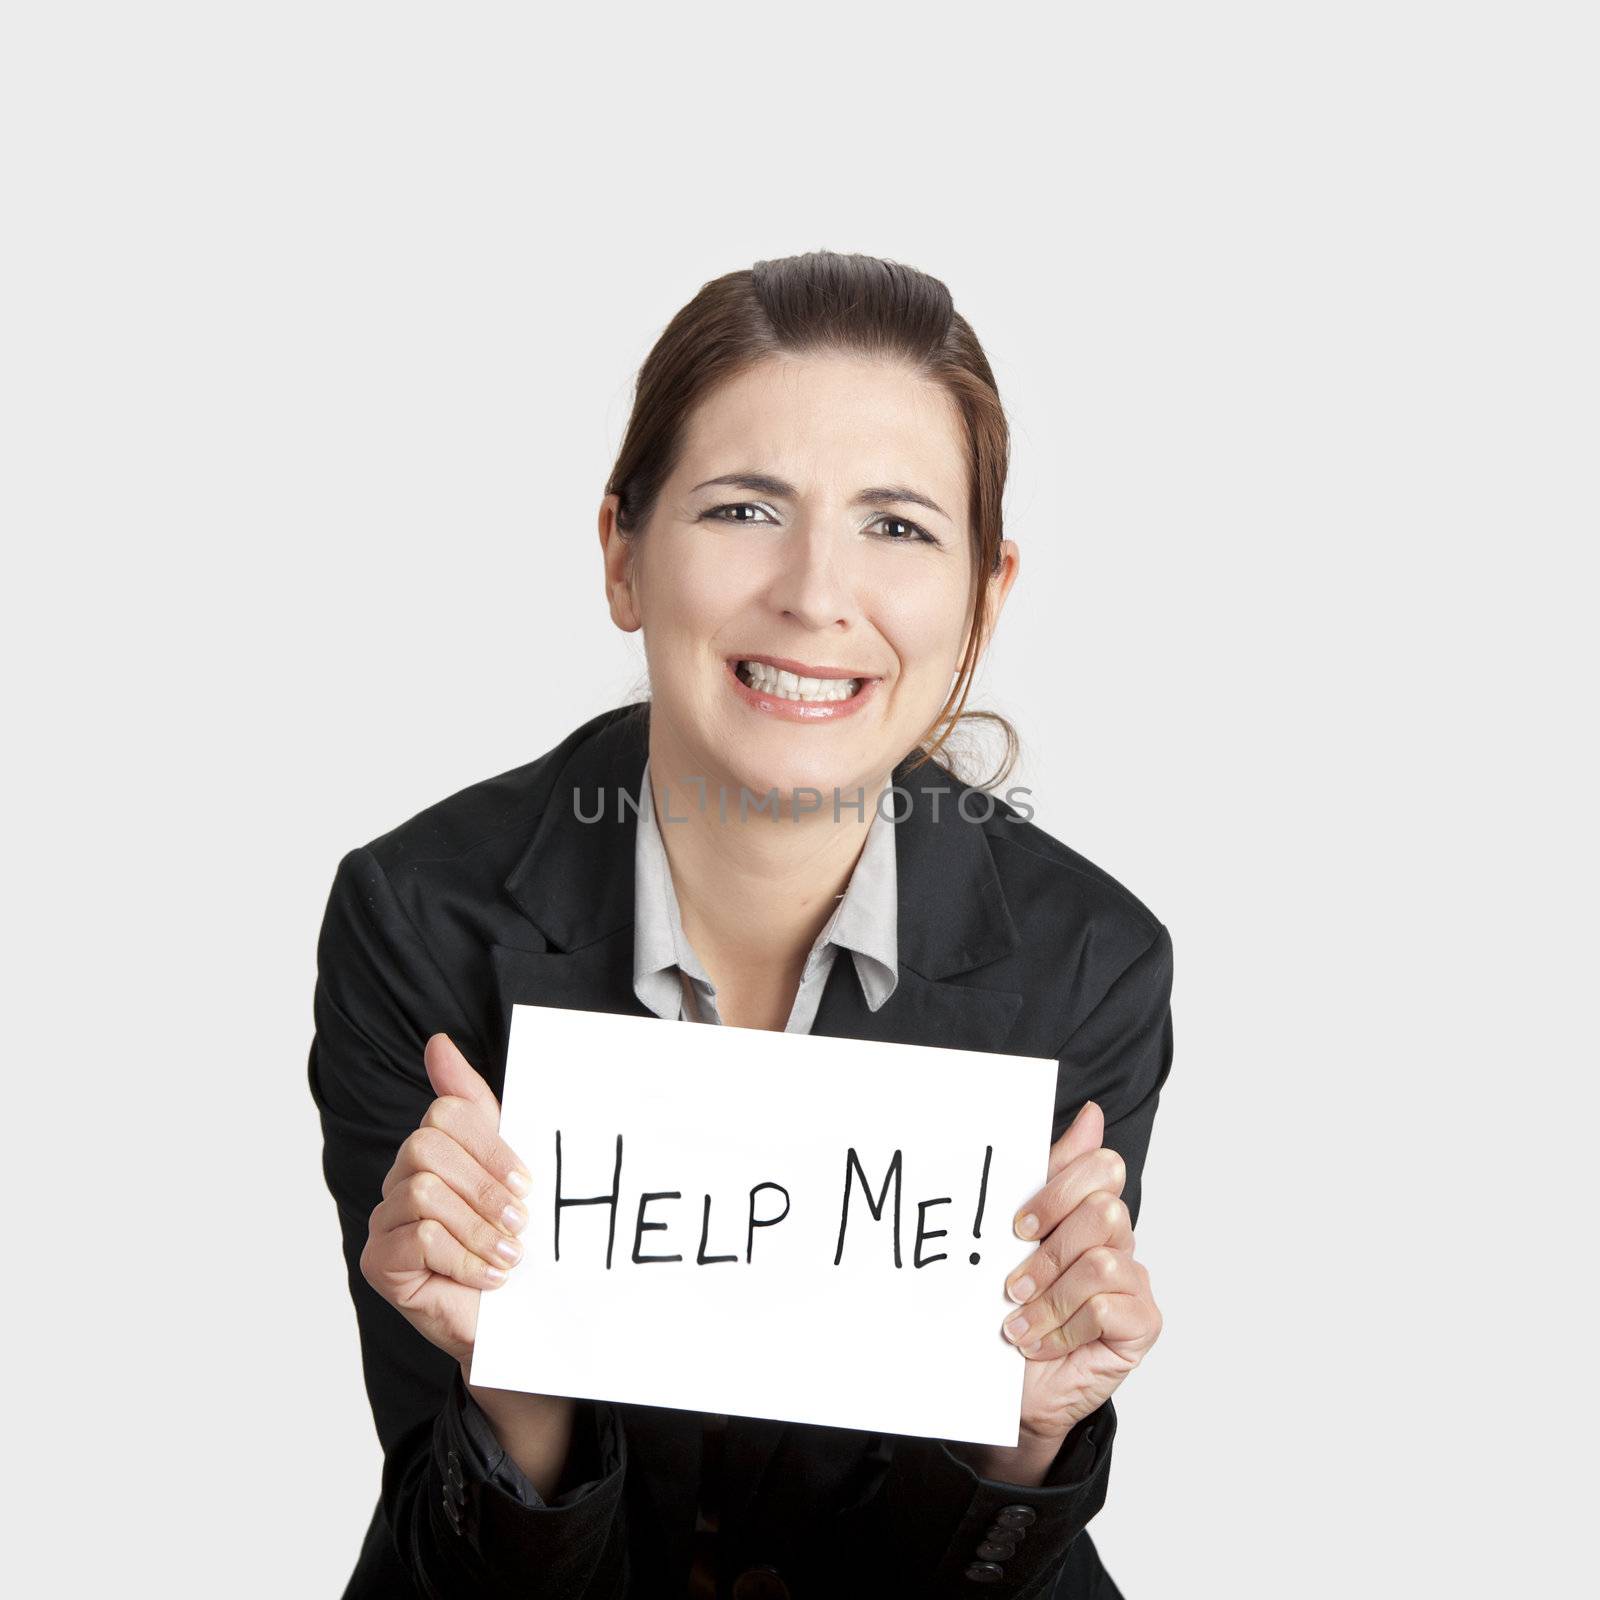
688,596
926,625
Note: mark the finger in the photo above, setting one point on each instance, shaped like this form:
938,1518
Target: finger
431,1149
1086,1130
1084,1134
1122,1319
1098,1218
1098,1168
474,1129
451,1073
429,1246
426,1194
1099,1270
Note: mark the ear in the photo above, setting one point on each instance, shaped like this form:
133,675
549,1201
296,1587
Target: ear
618,553
997,587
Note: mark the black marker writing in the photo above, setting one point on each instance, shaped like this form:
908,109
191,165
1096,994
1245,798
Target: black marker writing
643,1227
852,1166
763,1222
591,1200
917,1259
877,1204
700,1256
983,1194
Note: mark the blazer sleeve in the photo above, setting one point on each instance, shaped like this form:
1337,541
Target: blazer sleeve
463,1517
931,1526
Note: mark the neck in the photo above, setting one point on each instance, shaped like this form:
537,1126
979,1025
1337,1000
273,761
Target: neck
755,891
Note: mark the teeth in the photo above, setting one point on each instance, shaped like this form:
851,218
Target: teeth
772,680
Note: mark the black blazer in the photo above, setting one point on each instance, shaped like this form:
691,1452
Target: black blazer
1009,941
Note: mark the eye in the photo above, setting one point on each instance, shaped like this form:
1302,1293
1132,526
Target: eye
739,505
917,534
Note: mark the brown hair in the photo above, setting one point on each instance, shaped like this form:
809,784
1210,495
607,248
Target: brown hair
810,304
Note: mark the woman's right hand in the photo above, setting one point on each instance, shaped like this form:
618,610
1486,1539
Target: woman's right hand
446,1227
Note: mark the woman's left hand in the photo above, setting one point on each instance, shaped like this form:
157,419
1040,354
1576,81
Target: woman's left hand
1086,1316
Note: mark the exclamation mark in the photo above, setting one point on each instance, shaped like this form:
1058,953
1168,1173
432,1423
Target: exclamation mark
983,1194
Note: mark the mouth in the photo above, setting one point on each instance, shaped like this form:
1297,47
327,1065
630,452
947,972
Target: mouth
800,689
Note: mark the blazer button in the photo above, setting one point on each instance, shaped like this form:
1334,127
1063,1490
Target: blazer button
993,1549
1016,1517
760,1583
985,1572
452,1511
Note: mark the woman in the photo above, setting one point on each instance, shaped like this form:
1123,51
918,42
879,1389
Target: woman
804,522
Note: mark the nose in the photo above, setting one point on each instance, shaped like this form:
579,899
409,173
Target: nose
812,582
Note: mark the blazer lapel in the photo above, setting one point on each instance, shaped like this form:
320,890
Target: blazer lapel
920,1011
952,918
574,884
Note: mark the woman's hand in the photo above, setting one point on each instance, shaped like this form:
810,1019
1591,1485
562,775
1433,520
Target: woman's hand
1086,1314
446,1227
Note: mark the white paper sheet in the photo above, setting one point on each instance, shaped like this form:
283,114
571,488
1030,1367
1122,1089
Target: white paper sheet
811,1321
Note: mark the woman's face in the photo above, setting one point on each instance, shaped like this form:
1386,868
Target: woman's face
835,545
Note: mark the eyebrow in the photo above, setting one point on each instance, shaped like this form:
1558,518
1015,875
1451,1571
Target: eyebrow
764,483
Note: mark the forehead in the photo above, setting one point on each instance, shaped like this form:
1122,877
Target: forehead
836,419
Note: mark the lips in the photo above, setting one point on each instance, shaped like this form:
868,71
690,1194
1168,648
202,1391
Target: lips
766,703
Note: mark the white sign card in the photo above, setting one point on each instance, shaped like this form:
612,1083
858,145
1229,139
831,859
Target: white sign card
781,1225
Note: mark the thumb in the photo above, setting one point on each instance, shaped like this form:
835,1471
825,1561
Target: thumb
1084,1133
451,1073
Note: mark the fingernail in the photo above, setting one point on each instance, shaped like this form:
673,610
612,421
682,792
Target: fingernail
518,1181
1021,1291
509,1248
494,1275
1015,1328
1032,1349
514,1218
1027,1225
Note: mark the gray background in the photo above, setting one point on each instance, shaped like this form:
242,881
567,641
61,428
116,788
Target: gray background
317,345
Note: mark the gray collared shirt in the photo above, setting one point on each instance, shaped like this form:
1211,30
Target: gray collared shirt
668,976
